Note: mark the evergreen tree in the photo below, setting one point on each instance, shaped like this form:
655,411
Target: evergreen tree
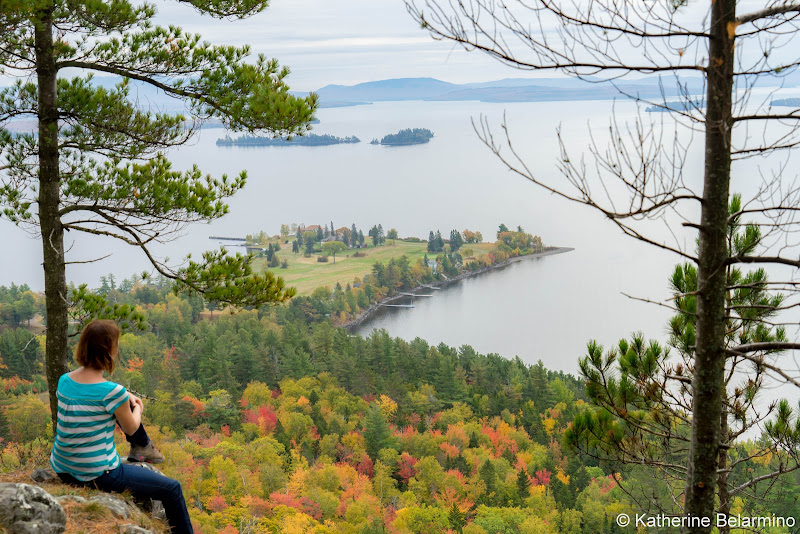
379,271
320,234
361,238
540,392
488,475
561,493
431,243
19,353
5,429
455,240
377,434
295,246
456,518
95,164
523,485
346,237
439,241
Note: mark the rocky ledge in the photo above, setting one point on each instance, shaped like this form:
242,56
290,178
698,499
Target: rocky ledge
31,509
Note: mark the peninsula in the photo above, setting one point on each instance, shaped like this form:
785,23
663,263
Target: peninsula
350,272
679,105
789,102
304,140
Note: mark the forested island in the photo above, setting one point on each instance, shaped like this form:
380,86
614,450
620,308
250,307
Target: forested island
790,102
409,136
303,140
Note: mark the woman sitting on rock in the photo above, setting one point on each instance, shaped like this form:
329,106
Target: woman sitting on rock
89,406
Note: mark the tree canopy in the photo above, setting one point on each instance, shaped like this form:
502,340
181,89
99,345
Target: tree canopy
642,174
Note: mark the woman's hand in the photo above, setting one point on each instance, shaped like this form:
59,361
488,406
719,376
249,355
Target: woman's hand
135,402
129,416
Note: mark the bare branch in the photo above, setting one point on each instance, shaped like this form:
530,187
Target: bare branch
768,12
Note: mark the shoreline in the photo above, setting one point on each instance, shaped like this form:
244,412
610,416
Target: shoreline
375,305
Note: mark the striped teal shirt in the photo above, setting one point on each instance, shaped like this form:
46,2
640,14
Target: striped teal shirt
84,444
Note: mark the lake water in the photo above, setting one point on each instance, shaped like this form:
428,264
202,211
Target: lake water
545,308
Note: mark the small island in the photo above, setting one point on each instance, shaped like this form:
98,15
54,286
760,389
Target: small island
681,105
789,102
304,140
416,136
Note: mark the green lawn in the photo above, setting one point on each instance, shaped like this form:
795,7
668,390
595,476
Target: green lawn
306,274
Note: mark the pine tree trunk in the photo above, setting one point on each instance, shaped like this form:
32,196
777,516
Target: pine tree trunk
55,280
722,480
708,383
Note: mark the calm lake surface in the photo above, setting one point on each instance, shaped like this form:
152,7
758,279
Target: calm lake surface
546,308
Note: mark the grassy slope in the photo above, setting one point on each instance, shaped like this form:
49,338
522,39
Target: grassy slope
306,274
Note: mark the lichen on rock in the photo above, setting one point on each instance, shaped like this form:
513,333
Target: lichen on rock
27,509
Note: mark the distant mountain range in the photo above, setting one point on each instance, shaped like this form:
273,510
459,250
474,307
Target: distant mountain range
652,88
517,90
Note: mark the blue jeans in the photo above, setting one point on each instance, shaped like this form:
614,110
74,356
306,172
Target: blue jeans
139,437
144,484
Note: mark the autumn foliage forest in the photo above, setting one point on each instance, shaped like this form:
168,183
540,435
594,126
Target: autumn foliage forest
274,420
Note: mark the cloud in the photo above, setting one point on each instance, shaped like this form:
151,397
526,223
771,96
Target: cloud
350,43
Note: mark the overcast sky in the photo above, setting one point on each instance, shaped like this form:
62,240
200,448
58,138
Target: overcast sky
352,41
342,42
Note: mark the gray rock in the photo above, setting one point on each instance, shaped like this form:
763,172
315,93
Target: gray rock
26,509
117,506
75,498
44,475
133,529
154,508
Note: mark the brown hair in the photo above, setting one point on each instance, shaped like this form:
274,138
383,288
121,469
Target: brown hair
97,347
